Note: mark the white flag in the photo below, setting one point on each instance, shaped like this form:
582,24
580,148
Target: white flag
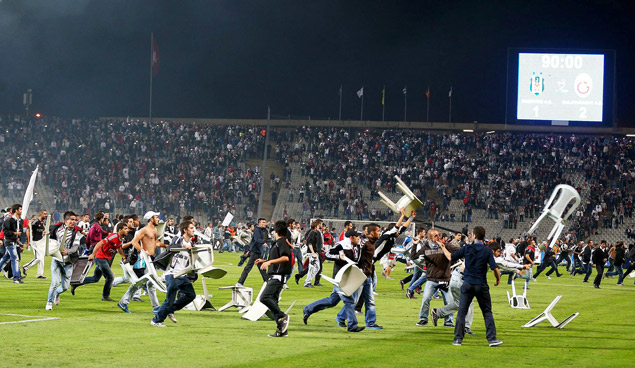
450,93
360,93
28,195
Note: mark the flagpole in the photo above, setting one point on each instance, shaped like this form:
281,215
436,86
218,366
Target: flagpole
405,103
450,116
428,105
151,52
340,102
383,103
361,116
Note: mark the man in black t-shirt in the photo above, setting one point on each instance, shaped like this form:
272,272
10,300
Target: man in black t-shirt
278,265
36,233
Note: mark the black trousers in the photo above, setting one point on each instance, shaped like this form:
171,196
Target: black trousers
252,258
598,278
481,293
270,296
566,257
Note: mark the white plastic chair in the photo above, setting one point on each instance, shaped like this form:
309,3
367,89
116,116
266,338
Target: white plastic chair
546,315
518,301
409,202
555,208
349,278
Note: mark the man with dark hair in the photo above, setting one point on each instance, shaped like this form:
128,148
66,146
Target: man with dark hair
12,231
438,276
347,226
62,269
347,248
96,232
279,265
145,240
477,258
548,260
103,253
599,258
294,235
255,250
620,253
315,243
366,262
36,234
181,285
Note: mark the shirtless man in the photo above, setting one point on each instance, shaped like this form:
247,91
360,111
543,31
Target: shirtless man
145,239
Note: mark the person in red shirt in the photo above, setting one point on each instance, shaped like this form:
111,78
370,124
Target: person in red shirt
103,254
347,226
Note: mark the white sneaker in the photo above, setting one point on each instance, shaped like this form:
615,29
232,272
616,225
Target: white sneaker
57,299
534,280
238,284
49,306
285,287
548,277
157,324
172,318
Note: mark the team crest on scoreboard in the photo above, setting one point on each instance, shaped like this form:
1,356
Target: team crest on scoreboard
537,85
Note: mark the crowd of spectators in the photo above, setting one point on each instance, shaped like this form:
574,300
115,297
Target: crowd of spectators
509,175
137,165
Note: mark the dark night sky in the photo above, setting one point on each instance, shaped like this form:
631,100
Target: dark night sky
230,59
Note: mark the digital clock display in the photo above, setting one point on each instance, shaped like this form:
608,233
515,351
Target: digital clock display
560,87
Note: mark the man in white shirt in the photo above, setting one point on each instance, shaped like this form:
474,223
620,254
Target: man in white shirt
85,223
181,285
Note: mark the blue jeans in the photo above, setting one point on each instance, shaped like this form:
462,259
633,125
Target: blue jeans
60,278
331,301
181,285
11,252
418,278
228,245
368,298
588,270
429,290
618,271
103,268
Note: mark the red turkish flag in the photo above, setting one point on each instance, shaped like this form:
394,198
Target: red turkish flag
155,58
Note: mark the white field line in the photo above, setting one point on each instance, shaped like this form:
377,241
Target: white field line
26,320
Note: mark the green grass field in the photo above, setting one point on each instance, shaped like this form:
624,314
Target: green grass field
90,332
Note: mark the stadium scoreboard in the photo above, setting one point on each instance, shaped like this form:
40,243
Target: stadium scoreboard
560,86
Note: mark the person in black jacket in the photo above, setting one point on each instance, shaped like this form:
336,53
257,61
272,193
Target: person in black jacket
36,234
314,247
548,260
599,258
12,232
278,266
347,248
631,267
255,250
620,253
586,261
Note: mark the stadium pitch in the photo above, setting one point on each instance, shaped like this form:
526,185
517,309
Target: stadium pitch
90,333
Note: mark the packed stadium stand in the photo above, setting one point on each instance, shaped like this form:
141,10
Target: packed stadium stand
498,180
